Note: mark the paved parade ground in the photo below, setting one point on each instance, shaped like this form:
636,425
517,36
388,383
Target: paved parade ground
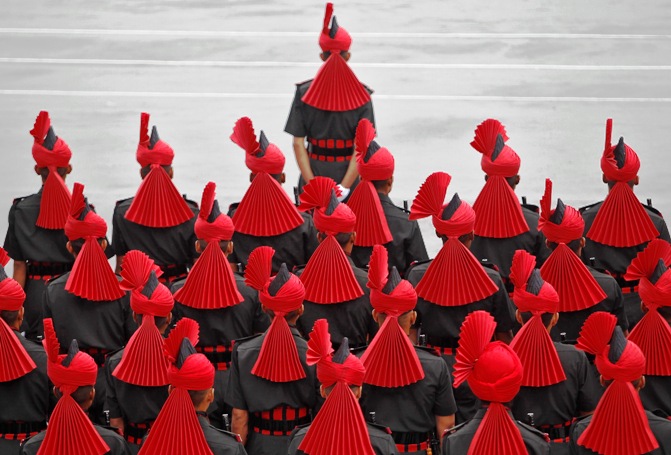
551,72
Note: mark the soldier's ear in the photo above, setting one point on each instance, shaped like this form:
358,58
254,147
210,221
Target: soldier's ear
518,317
71,250
103,244
38,170
322,392
198,248
229,248
69,169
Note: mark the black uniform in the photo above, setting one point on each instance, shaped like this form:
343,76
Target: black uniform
173,249
380,439
457,440
442,326
98,327
500,251
616,260
115,442
656,395
661,429
571,322
292,248
352,319
267,402
138,406
218,329
220,442
407,245
411,411
26,400
328,134
554,407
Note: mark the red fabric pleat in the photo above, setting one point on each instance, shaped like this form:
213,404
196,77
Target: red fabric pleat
14,360
538,355
477,331
265,209
653,335
339,427
577,288
210,284
176,430
143,362
278,360
336,87
91,277
371,223
71,431
54,203
645,262
391,359
455,277
497,434
328,277
619,425
157,203
498,212
622,221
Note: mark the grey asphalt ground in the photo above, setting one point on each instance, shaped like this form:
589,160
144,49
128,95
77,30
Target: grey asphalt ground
551,72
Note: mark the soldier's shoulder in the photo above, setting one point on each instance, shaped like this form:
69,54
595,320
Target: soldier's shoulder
652,210
489,266
530,208
303,86
418,266
427,352
125,201
590,207
232,208
531,431
368,89
379,428
455,429
20,199
114,356
58,280
193,205
231,437
300,430
241,341
359,351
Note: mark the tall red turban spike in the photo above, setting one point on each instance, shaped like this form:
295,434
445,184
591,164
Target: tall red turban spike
652,334
51,152
339,427
211,284
70,430
621,221
278,360
390,359
265,210
328,276
499,214
454,277
532,343
91,277
157,203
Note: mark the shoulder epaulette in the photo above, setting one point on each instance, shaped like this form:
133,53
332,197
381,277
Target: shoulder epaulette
18,199
110,354
454,429
368,89
531,207
650,208
121,201
585,208
489,264
660,413
109,427
358,350
298,84
297,429
379,427
428,349
414,264
297,268
54,278
228,433
242,340
189,201
534,430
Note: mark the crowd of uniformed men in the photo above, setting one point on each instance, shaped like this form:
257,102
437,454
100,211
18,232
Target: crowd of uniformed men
322,327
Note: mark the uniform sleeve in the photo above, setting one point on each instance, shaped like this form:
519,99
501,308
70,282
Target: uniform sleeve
234,397
588,394
111,401
502,308
415,250
444,404
368,112
46,304
11,242
118,244
295,123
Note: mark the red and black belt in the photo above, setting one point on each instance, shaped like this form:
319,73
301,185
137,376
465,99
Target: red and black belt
47,270
559,433
280,421
330,150
18,431
628,287
441,350
134,433
172,272
220,356
411,441
99,355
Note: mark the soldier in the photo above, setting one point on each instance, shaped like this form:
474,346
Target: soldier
266,215
334,286
653,334
582,290
339,425
326,110
502,225
24,386
179,428
158,221
400,375
558,385
379,221
87,304
619,426
454,284
137,376
494,373
619,227
74,375
272,390
35,237
225,308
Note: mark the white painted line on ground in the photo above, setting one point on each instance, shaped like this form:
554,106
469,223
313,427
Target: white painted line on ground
379,65
313,34
129,94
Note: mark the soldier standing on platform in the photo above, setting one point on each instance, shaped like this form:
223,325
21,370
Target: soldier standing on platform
326,111
379,221
225,308
620,226
266,215
334,286
158,221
